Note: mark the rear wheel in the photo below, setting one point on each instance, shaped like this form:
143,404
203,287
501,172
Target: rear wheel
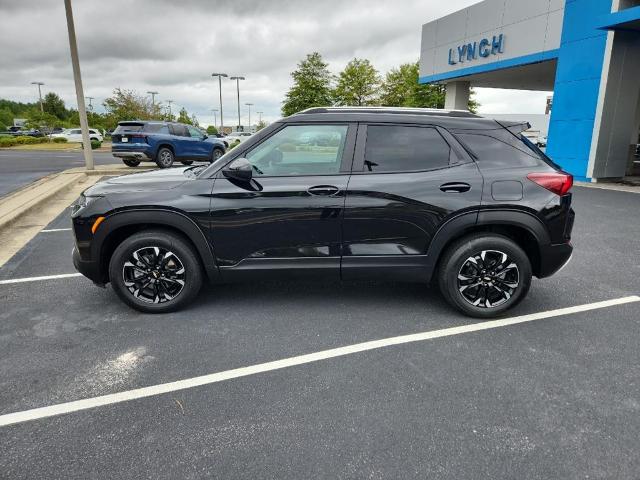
484,275
155,271
165,158
131,162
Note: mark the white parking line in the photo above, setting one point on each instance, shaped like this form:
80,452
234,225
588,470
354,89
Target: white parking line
38,279
75,406
51,230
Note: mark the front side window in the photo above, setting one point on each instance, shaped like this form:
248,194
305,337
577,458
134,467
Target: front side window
300,150
194,132
397,148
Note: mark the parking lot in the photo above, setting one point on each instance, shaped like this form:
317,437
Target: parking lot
555,396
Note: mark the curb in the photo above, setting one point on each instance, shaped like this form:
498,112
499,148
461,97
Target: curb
32,196
615,187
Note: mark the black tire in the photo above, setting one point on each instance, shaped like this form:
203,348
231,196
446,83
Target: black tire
165,158
465,278
131,162
216,154
151,284
186,162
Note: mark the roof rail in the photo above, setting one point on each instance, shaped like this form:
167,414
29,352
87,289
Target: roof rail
392,110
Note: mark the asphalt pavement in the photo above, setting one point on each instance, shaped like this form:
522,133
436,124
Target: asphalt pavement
19,168
554,398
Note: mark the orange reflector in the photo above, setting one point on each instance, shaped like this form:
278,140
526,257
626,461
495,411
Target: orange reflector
96,224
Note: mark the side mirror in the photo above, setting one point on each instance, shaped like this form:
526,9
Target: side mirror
240,169
204,137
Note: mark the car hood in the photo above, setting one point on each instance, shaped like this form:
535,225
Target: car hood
164,179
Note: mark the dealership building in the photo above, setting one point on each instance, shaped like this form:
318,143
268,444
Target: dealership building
586,51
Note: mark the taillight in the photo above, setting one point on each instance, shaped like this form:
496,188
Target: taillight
138,135
556,182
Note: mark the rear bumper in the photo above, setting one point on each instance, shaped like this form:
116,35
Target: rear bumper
130,154
89,269
553,258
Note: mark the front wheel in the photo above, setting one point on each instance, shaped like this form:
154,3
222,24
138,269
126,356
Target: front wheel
165,158
155,271
483,275
130,162
216,154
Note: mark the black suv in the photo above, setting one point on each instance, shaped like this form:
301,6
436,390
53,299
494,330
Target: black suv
398,194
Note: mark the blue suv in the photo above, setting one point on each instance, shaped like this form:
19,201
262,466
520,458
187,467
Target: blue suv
163,143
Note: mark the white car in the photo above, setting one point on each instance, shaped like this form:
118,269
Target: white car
74,135
237,137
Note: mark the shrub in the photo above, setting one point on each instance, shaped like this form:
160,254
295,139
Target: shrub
26,140
234,144
94,144
59,140
7,142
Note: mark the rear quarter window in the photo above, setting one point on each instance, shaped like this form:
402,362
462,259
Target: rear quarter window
156,128
498,148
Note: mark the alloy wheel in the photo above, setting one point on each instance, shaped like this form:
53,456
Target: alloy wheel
166,158
154,274
488,279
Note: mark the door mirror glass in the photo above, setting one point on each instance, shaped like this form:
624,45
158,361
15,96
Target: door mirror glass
240,169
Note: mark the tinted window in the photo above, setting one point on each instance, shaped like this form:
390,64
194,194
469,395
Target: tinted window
75,132
156,128
134,127
404,149
499,148
300,150
180,130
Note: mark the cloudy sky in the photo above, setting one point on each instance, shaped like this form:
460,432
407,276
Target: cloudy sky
173,46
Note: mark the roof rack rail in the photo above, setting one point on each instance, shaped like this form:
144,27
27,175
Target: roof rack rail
392,110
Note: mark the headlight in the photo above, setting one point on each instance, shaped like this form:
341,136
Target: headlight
82,202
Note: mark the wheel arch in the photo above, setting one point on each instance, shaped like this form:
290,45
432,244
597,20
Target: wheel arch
120,225
524,228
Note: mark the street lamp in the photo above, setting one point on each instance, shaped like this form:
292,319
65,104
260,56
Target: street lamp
260,117
237,79
90,106
249,105
153,101
169,102
215,116
220,75
39,84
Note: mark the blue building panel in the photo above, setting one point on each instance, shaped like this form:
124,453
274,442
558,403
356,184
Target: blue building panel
575,100
581,59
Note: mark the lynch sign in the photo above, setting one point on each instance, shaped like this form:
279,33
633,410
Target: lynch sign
471,51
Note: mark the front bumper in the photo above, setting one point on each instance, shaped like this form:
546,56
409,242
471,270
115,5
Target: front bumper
89,269
553,258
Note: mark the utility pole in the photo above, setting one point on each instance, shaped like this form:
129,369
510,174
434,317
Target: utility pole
215,116
237,79
260,117
220,75
153,101
249,105
77,77
90,106
39,84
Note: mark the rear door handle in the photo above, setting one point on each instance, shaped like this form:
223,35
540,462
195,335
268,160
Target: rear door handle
457,187
326,190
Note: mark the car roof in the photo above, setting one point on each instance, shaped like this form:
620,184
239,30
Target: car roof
454,119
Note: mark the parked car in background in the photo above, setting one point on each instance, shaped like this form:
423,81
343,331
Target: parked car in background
163,143
236,137
74,135
468,203
23,131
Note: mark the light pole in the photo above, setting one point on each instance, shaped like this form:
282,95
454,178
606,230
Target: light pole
220,75
90,106
215,116
77,77
249,105
169,102
237,79
259,117
153,101
39,84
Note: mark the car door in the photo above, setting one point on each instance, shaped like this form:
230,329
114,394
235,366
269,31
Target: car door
181,140
199,149
407,181
288,218
75,135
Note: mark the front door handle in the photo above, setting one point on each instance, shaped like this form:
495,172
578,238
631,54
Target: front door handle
456,187
325,190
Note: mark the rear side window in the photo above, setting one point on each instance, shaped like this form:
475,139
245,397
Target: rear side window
180,130
132,127
499,148
156,128
396,148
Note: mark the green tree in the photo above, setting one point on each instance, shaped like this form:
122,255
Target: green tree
183,117
311,86
358,84
211,130
128,105
37,119
260,125
6,118
54,105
